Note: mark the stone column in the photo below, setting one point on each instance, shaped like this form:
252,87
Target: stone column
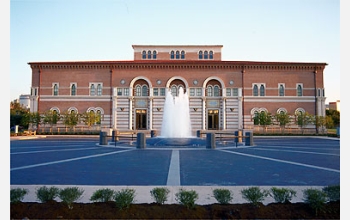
150,113
203,112
240,109
130,112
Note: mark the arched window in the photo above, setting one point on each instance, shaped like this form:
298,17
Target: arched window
138,90
154,54
177,55
255,90
55,90
182,55
99,89
205,55
144,54
210,91
144,90
216,90
262,90
172,55
73,90
149,54
98,115
92,90
174,90
281,90
299,91
200,55
211,56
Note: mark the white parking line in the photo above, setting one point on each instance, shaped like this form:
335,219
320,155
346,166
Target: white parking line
174,169
295,151
44,151
283,161
68,160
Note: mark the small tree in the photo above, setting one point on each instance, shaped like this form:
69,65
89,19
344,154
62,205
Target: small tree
254,195
223,196
18,194
320,122
90,118
283,119
187,198
102,195
262,118
304,119
160,194
71,119
315,198
124,198
282,195
70,194
45,194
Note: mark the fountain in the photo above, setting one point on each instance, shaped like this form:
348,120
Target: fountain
176,117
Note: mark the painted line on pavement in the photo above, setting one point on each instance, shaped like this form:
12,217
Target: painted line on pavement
283,161
68,160
44,151
296,151
174,169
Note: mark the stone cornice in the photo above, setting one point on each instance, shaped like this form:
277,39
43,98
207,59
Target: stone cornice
243,66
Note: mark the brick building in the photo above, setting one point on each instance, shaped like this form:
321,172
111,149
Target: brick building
224,95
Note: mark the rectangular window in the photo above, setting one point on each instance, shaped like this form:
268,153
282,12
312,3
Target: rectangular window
162,91
228,92
119,91
192,92
155,91
235,92
99,89
126,91
199,91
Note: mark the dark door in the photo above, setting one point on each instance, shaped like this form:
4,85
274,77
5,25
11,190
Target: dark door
213,119
141,119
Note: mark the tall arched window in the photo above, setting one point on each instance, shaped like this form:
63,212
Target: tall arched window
211,56
182,55
200,55
177,54
154,54
99,89
216,90
281,90
210,91
144,54
149,54
255,90
73,90
299,91
98,115
138,90
55,90
172,55
262,90
205,55
174,90
92,90
144,90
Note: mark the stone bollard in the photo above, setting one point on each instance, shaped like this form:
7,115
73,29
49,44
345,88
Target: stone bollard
103,138
198,133
249,139
153,133
211,143
236,137
141,141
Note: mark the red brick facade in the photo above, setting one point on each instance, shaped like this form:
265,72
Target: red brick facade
121,89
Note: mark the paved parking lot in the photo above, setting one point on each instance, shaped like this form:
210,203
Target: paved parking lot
287,161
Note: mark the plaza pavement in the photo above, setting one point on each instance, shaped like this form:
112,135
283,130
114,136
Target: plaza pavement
290,162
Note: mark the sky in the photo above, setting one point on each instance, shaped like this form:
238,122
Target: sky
249,30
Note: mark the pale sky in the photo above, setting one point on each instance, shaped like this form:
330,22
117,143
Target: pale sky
249,30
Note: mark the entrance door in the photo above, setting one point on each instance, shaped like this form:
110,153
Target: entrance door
141,119
213,119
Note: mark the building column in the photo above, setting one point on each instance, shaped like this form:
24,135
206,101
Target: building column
114,109
150,113
203,112
130,112
223,113
240,109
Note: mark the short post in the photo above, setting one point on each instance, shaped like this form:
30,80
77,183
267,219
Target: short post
211,141
103,138
153,133
198,133
249,139
141,141
113,136
236,137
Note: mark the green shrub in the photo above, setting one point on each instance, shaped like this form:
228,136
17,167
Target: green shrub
124,198
333,192
223,196
45,194
18,194
102,195
282,195
254,195
187,198
69,195
315,198
160,194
